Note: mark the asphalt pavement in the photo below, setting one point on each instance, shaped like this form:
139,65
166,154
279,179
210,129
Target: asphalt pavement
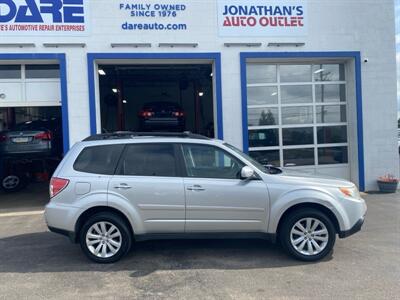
36,264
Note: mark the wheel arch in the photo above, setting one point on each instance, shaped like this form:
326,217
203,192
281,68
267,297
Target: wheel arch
317,206
98,209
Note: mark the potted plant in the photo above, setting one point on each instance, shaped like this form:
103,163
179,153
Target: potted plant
388,184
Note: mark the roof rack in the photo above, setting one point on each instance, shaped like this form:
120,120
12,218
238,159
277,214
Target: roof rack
130,134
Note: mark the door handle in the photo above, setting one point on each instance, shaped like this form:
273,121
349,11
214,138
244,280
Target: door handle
196,187
122,186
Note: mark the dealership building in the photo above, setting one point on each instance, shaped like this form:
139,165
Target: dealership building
302,84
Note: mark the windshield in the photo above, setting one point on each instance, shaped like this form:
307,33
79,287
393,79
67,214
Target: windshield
269,170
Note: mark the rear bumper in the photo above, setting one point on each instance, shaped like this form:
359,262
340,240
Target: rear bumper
356,228
71,235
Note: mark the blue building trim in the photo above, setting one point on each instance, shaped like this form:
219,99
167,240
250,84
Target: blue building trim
216,57
61,58
355,55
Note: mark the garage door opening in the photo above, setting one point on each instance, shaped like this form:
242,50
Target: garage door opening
31,129
157,97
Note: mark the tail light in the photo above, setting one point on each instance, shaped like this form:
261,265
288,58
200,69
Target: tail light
178,113
57,185
3,138
146,114
44,136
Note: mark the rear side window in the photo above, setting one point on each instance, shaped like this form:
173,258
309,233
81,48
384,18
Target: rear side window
149,160
99,159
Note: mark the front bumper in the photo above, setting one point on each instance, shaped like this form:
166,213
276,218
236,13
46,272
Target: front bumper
356,228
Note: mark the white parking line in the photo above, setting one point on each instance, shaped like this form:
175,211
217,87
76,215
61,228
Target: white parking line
22,213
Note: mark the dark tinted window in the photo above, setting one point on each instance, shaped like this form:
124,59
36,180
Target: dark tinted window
210,162
149,160
332,155
298,136
332,134
10,72
99,159
42,71
264,137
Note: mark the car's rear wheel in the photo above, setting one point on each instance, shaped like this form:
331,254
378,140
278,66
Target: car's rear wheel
308,234
105,238
14,182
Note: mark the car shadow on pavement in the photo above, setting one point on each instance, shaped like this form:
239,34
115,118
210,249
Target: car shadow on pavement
48,252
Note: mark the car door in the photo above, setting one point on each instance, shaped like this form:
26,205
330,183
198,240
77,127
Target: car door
217,200
147,178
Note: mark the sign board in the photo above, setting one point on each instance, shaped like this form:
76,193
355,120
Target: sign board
262,18
43,17
150,16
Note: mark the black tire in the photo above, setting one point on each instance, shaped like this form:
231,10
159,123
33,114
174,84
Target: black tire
117,221
292,219
20,182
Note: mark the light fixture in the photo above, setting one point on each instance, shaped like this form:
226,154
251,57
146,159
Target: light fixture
274,94
212,74
124,101
201,94
115,91
319,71
101,72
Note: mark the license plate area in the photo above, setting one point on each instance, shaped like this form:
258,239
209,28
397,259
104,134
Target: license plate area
21,140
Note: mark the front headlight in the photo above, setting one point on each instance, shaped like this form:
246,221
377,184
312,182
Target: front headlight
351,192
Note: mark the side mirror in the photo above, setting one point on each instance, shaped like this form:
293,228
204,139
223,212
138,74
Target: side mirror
247,173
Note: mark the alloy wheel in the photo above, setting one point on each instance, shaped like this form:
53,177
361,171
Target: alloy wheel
103,239
309,236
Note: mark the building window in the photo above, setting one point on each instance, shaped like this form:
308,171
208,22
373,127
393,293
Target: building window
297,114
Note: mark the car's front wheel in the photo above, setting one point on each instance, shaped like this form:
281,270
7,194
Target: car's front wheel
105,238
308,234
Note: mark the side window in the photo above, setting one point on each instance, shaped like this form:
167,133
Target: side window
204,161
149,160
99,159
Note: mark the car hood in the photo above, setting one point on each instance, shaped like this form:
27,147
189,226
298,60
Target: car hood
318,179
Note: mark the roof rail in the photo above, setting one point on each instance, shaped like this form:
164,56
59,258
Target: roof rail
130,134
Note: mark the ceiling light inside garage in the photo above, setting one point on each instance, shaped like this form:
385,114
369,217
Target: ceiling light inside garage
101,72
115,91
319,71
124,101
201,94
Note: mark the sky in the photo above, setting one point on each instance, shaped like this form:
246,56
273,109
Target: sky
397,4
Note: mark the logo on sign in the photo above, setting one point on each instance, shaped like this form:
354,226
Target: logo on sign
262,18
42,11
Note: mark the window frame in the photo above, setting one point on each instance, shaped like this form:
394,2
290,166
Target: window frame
118,171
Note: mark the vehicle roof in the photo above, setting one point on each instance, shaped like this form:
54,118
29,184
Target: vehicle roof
135,137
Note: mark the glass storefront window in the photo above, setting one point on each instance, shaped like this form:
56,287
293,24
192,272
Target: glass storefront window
270,157
298,157
297,136
294,109
332,134
292,94
329,93
263,116
264,138
331,114
297,115
333,155
10,71
261,73
329,72
262,95
42,71
295,73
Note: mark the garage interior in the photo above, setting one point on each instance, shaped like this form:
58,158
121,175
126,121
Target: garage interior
157,97
31,134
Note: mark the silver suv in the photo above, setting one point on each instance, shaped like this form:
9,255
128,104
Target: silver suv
113,189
